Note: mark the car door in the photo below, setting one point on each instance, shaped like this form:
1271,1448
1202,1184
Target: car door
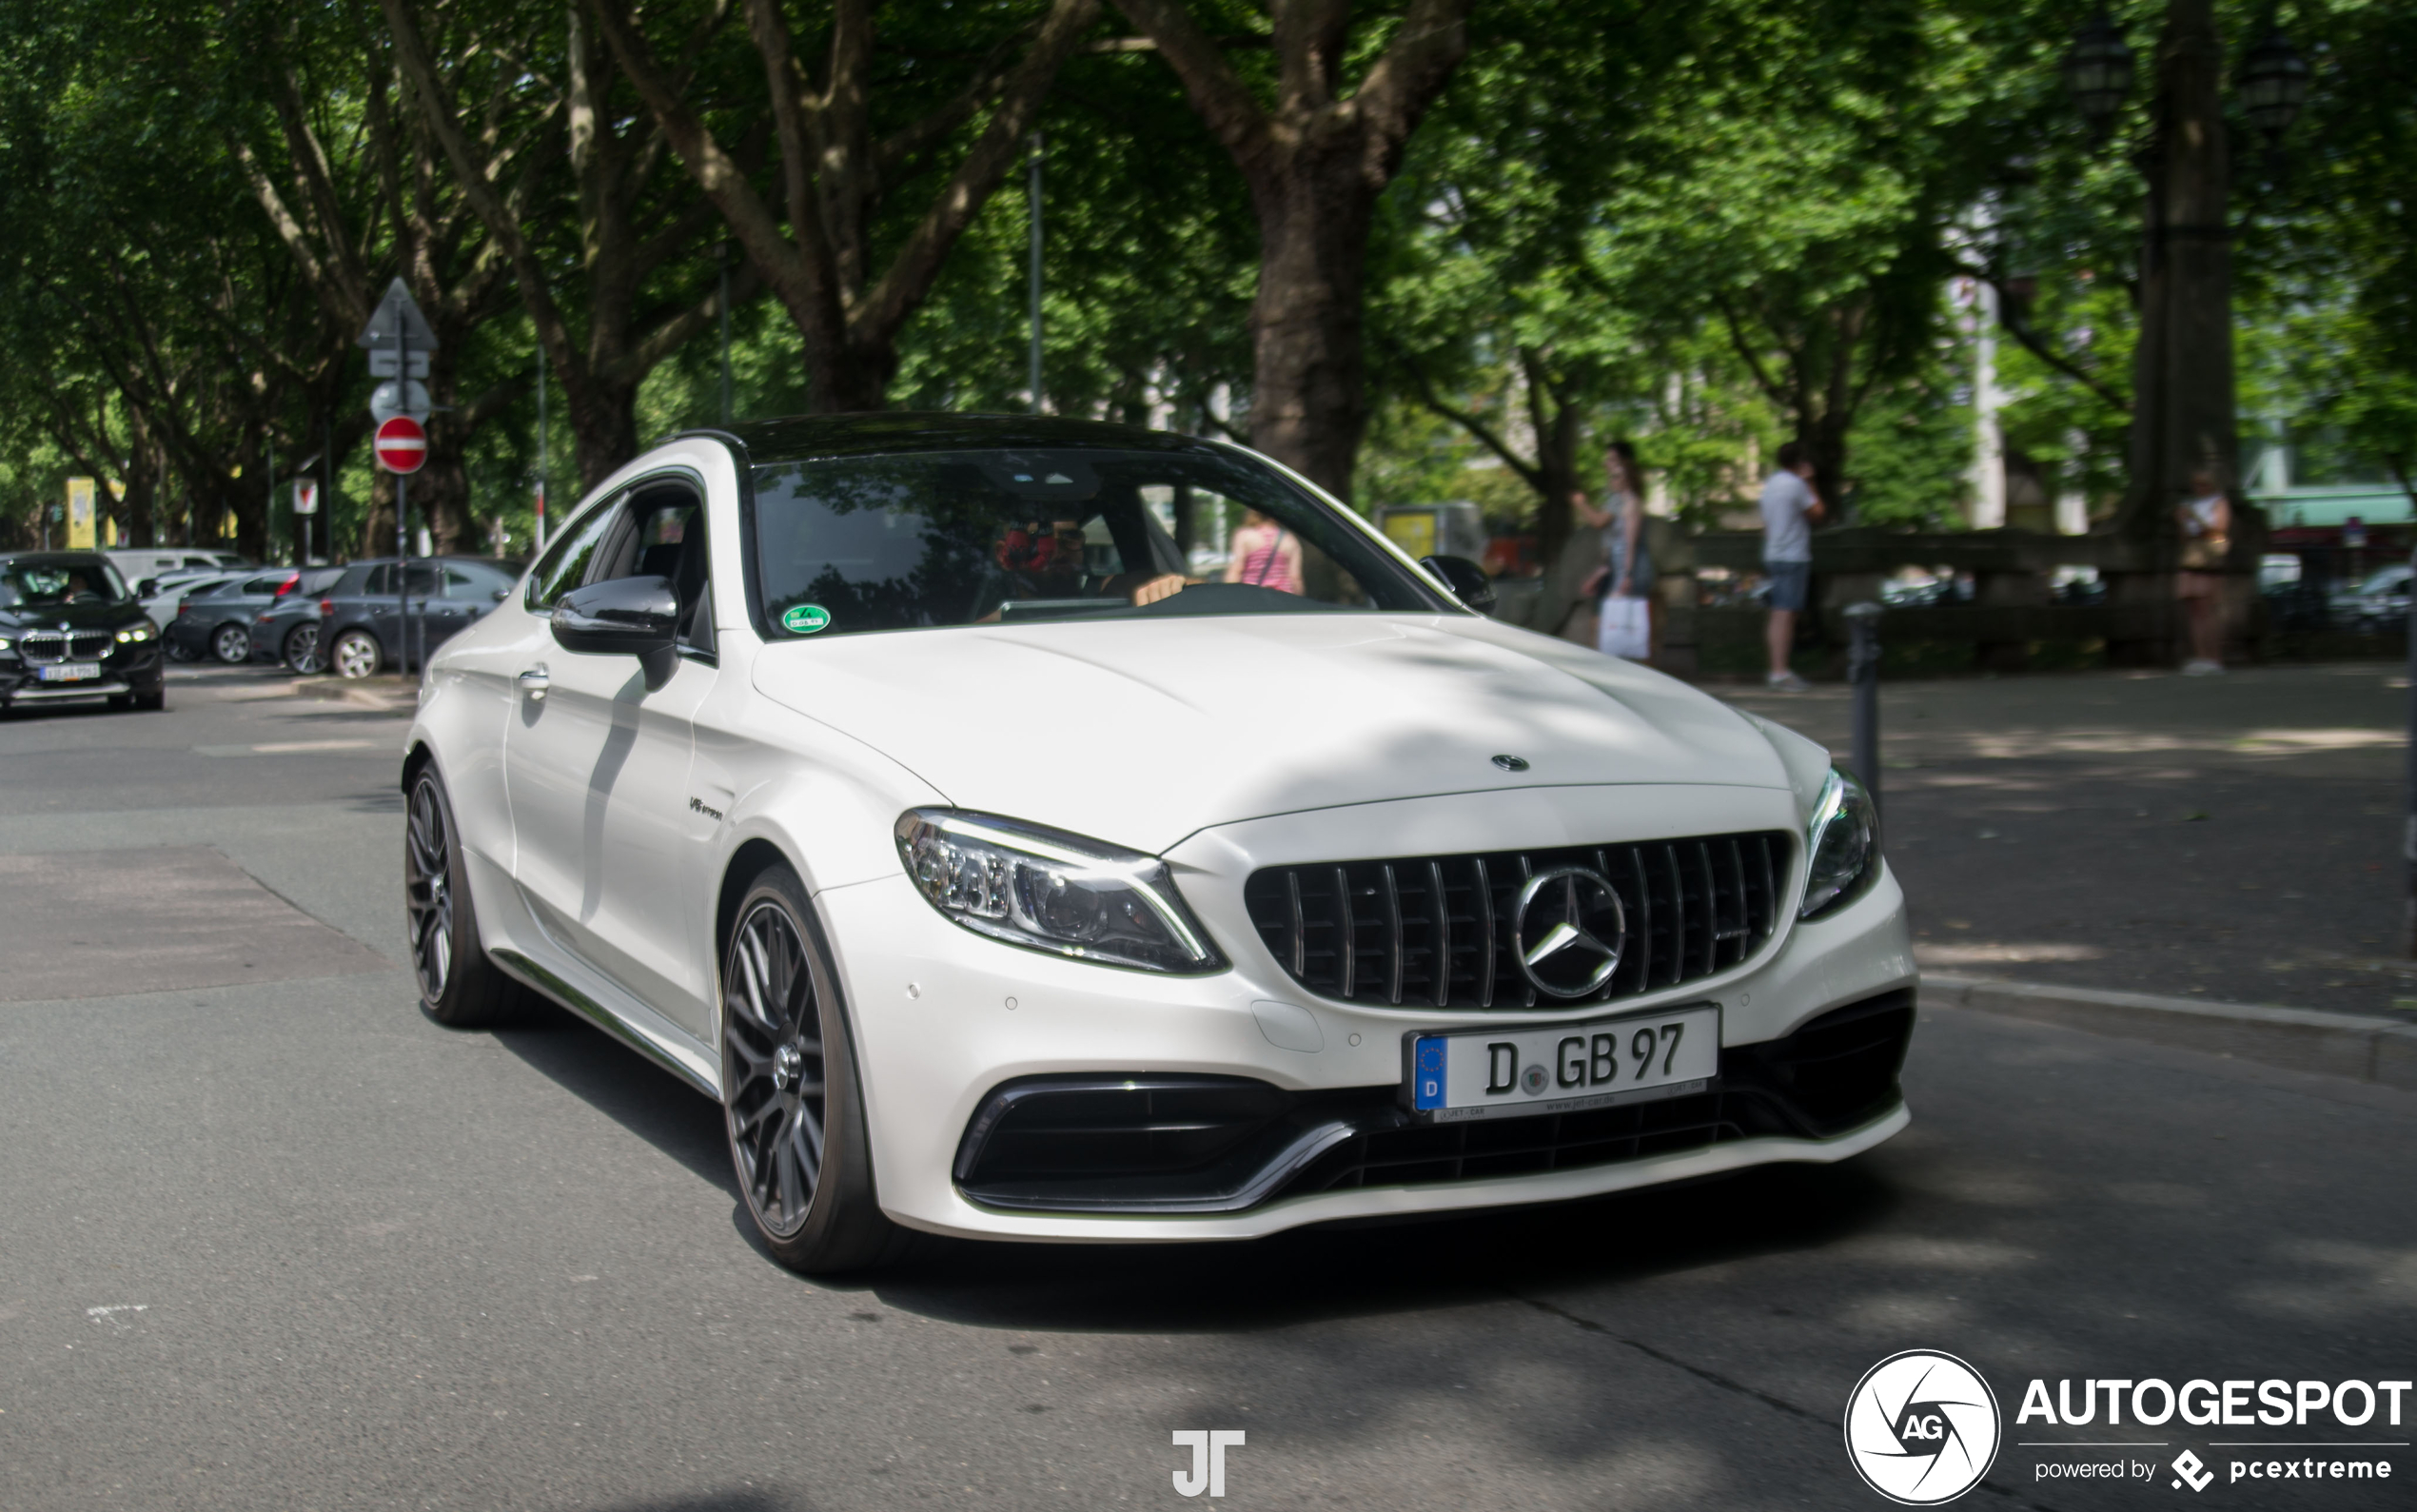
399,638
596,767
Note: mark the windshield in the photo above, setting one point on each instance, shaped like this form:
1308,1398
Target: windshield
934,538
52,583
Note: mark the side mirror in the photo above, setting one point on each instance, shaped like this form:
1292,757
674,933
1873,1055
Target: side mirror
148,588
1466,579
629,617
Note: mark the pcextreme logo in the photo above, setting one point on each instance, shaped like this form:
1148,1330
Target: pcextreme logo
1922,1428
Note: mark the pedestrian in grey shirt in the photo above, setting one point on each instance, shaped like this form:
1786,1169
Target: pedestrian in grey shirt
1789,510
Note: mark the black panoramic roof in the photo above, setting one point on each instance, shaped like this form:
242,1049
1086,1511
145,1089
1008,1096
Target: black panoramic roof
802,438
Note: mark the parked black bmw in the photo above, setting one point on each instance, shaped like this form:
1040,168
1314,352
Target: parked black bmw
69,628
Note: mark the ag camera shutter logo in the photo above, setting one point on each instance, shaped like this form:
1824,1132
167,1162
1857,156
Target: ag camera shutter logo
1922,1428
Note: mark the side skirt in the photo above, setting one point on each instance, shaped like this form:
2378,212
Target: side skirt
662,1046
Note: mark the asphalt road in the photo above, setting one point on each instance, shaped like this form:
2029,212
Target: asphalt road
277,1240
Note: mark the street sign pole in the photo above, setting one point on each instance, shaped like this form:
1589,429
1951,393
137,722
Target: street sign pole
402,513
543,457
397,333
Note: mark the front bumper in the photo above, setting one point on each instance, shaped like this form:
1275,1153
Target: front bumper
136,670
943,1019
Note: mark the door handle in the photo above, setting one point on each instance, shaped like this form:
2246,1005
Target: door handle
534,682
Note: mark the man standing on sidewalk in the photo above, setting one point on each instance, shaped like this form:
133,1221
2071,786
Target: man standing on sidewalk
1789,510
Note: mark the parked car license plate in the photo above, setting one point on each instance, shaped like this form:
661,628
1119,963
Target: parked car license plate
70,670
1564,1067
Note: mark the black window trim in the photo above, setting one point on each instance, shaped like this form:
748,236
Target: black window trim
606,550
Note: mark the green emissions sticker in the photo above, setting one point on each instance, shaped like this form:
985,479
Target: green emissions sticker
805,618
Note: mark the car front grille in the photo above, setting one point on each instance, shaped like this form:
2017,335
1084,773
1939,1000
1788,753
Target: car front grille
1435,930
51,645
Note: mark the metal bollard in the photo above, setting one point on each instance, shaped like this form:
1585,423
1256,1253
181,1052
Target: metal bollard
1863,673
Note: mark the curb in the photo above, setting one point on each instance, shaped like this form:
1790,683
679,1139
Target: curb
386,697
2381,1050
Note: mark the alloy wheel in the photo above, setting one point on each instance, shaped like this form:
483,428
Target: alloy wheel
232,644
427,882
301,649
773,1067
356,655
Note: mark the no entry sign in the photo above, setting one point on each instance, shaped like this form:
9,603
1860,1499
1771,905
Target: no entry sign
401,446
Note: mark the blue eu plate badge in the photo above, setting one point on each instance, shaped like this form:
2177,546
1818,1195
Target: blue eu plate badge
1426,1062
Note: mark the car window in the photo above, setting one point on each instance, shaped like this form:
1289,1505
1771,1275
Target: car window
473,582
268,585
55,581
939,538
381,580
565,564
661,534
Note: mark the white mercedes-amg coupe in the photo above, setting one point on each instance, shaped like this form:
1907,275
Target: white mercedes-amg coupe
1034,829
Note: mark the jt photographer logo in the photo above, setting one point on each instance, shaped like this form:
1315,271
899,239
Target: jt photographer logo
1921,1428
1208,1446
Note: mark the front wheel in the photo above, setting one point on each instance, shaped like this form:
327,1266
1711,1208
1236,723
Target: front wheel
302,650
459,986
231,644
791,1102
355,655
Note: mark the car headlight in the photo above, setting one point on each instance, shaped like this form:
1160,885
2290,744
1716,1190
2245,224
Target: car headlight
1049,891
1844,842
133,633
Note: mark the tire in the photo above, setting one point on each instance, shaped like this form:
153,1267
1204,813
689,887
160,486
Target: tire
155,702
458,987
301,653
178,651
791,1104
231,644
355,655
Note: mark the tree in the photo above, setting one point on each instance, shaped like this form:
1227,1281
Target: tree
1316,154
827,269
539,105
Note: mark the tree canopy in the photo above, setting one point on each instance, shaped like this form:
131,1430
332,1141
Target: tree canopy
1421,249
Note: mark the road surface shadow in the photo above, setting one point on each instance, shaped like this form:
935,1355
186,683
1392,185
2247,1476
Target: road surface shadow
620,1084
1399,1266
1331,1271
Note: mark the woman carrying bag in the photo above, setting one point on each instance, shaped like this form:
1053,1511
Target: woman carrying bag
1623,619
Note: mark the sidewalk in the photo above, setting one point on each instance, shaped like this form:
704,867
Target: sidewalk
2231,840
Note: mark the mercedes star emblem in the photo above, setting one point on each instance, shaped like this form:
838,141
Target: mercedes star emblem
1570,929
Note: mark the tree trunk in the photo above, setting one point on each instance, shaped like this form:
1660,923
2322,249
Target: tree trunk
2183,414
1316,161
1308,397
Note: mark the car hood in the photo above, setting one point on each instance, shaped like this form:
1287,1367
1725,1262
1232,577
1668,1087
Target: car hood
75,617
1143,731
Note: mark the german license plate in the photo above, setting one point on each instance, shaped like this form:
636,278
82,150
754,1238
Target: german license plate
1564,1067
70,670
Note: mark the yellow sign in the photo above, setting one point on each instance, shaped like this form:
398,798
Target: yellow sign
80,521
1413,530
